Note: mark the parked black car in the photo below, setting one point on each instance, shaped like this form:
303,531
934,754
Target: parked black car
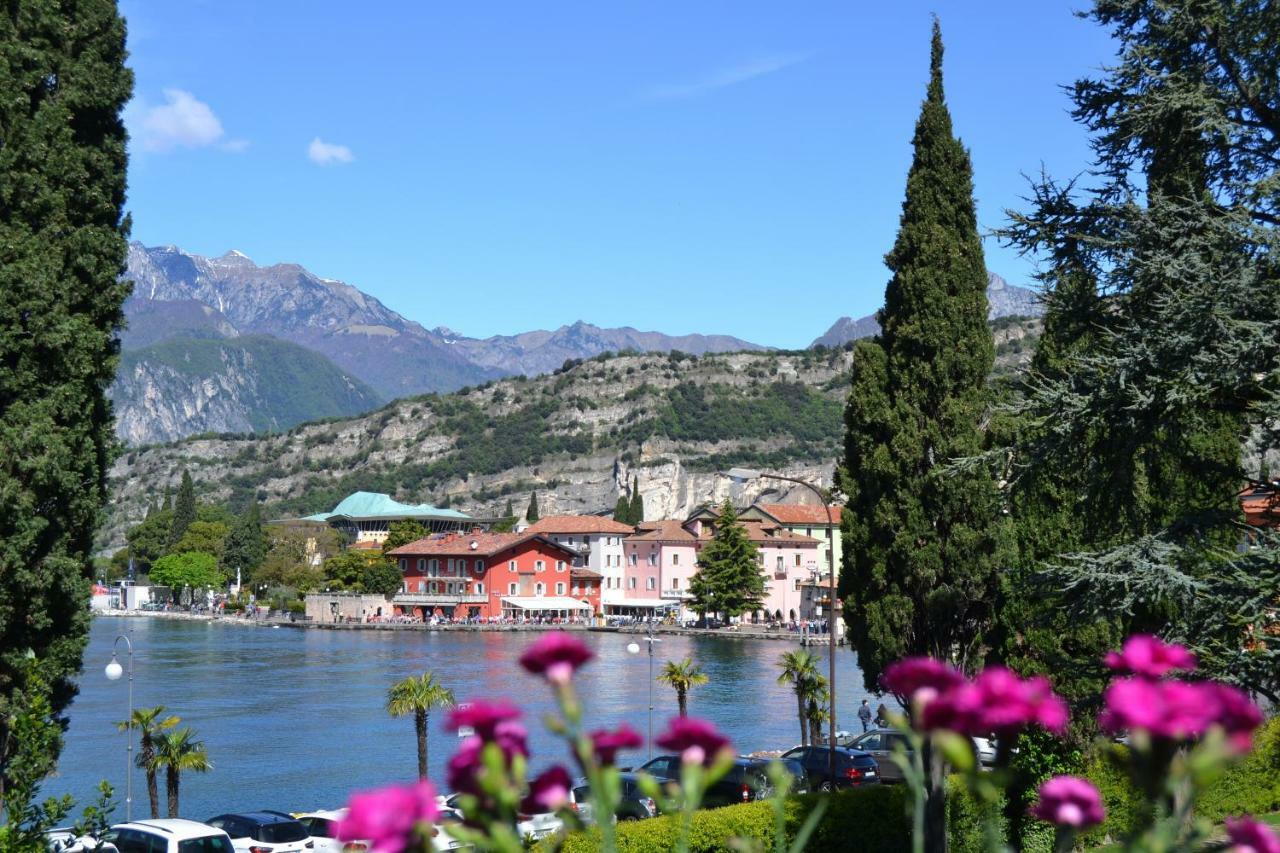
635,805
854,768
747,779
273,831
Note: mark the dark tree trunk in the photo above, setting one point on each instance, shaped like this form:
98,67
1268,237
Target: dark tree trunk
804,728
935,803
171,778
682,697
420,724
147,757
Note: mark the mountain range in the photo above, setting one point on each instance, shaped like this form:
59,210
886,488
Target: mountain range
222,345
1003,300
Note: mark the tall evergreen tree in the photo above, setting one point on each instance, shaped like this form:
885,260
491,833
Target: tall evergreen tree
622,510
184,508
531,514
637,502
728,579
63,241
1151,414
923,539
246,544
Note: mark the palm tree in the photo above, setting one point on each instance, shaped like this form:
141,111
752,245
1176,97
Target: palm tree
177,751
417,695
800,670
817,708
149,724
683,676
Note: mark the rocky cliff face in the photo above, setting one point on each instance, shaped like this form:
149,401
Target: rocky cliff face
578,437
1003,300
180,387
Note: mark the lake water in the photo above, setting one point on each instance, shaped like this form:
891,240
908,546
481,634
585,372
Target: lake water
294,719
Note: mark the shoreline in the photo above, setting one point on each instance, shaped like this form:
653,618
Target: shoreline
640,630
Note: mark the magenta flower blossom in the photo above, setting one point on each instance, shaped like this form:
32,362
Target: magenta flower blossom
465,766
697,741
1069,801
607,744
555,657
920,679
1149,657
548,792
1179,710
1237,715
1249,836
482,717
999,702
389,818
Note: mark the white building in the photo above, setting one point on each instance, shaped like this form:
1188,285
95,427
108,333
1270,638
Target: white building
598,542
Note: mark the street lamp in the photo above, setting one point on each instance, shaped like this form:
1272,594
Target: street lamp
743,475
113,672
634,648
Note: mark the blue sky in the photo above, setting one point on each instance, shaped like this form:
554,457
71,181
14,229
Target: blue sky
732,167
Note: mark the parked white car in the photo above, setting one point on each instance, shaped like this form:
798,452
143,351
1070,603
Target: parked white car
323,828
168,835
532,826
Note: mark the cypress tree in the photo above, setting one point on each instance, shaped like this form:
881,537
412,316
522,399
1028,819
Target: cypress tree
246,545
922,538
63,243
622,510
184,508
636,512
531,514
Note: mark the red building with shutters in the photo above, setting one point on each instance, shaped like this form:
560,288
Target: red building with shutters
493,575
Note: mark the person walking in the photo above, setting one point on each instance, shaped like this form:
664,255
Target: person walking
864,714
882,716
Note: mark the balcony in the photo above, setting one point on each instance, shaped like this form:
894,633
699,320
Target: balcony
437,598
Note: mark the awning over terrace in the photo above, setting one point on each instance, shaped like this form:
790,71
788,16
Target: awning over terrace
542,603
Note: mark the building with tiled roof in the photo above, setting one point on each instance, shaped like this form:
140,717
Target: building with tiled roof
1261,505
598,541
489,575
821,523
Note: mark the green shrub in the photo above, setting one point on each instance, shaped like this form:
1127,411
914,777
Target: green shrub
869,820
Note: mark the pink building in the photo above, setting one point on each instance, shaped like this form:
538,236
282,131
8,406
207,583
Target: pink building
661,559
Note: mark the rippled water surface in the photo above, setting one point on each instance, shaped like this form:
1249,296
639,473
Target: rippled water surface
294,719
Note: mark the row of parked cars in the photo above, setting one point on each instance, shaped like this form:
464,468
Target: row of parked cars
860,760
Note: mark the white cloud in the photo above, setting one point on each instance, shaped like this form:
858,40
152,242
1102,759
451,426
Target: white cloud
723,78
327,153
182,121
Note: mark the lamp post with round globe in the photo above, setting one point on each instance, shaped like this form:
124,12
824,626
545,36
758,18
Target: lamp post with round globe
634,648
113,673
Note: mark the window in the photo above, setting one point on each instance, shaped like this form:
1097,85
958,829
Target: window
797,584
432,588
633,558
797,559
422,564
631,583
539,566
479,589
404,564
570,540
781,567
512,589
560,589
559,565
760,558
539,589
422,586
433,567
511,566
651,583
808,531
479,570
675,583
675,559
653,558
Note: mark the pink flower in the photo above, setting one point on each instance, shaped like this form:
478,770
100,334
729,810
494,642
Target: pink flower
920,679
548,792
999,702
607,744
1249,836
465,766
697,741
482,717
1237,715
555,657
389,817
1179,710
1149,657
1069,801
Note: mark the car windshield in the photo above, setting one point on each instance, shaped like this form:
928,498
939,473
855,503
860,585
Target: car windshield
318,827
281,833
208,844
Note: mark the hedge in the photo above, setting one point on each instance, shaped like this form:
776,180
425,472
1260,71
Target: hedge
874,820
